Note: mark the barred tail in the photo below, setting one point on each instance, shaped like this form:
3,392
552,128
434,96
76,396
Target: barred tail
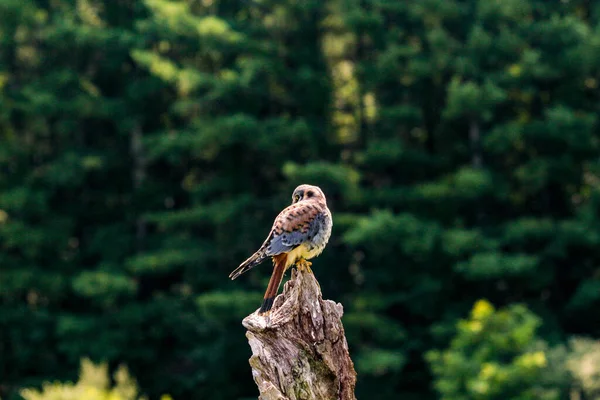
274,282
250,263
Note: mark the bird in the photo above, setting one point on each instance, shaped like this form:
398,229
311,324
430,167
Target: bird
300,232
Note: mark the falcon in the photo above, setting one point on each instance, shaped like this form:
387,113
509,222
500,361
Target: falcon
300,232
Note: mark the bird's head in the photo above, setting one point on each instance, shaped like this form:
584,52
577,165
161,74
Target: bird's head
308,192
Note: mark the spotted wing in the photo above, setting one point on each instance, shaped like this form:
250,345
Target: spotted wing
295,225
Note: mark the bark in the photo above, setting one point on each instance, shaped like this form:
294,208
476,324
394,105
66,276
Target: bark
138,178
299,350
475,139
476,159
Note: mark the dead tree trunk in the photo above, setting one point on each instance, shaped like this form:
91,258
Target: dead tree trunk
299,351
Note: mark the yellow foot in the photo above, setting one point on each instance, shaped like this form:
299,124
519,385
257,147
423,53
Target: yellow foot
304,265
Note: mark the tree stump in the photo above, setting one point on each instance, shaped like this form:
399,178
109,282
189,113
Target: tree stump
299,349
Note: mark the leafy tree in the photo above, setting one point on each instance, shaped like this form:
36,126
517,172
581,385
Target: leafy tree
493,356
93,384
582,362
470,184
145,148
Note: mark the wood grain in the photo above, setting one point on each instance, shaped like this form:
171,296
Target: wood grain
299,350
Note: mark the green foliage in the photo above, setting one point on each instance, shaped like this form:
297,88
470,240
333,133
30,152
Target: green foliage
145,148
93,384
583,362
492,356
468,98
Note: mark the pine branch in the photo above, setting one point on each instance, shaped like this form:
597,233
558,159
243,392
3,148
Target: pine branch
299,351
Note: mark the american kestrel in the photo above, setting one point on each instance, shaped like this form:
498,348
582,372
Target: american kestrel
300,232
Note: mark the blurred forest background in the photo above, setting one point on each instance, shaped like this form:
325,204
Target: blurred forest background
146,146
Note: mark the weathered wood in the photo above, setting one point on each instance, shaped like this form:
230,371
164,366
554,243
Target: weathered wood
299,350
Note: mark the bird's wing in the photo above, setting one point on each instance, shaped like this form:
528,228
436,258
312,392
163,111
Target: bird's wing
296,224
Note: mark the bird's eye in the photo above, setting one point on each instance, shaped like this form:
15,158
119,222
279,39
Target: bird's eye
309,194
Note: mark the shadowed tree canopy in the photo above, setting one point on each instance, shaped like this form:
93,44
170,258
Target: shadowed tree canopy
146,147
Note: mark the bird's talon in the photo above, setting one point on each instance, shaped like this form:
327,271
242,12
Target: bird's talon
304,265
308,269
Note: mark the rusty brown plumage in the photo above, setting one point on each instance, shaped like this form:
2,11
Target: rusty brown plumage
279,264
296,217
300,231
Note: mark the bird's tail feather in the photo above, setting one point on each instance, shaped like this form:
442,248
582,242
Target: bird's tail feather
250,263
279,262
